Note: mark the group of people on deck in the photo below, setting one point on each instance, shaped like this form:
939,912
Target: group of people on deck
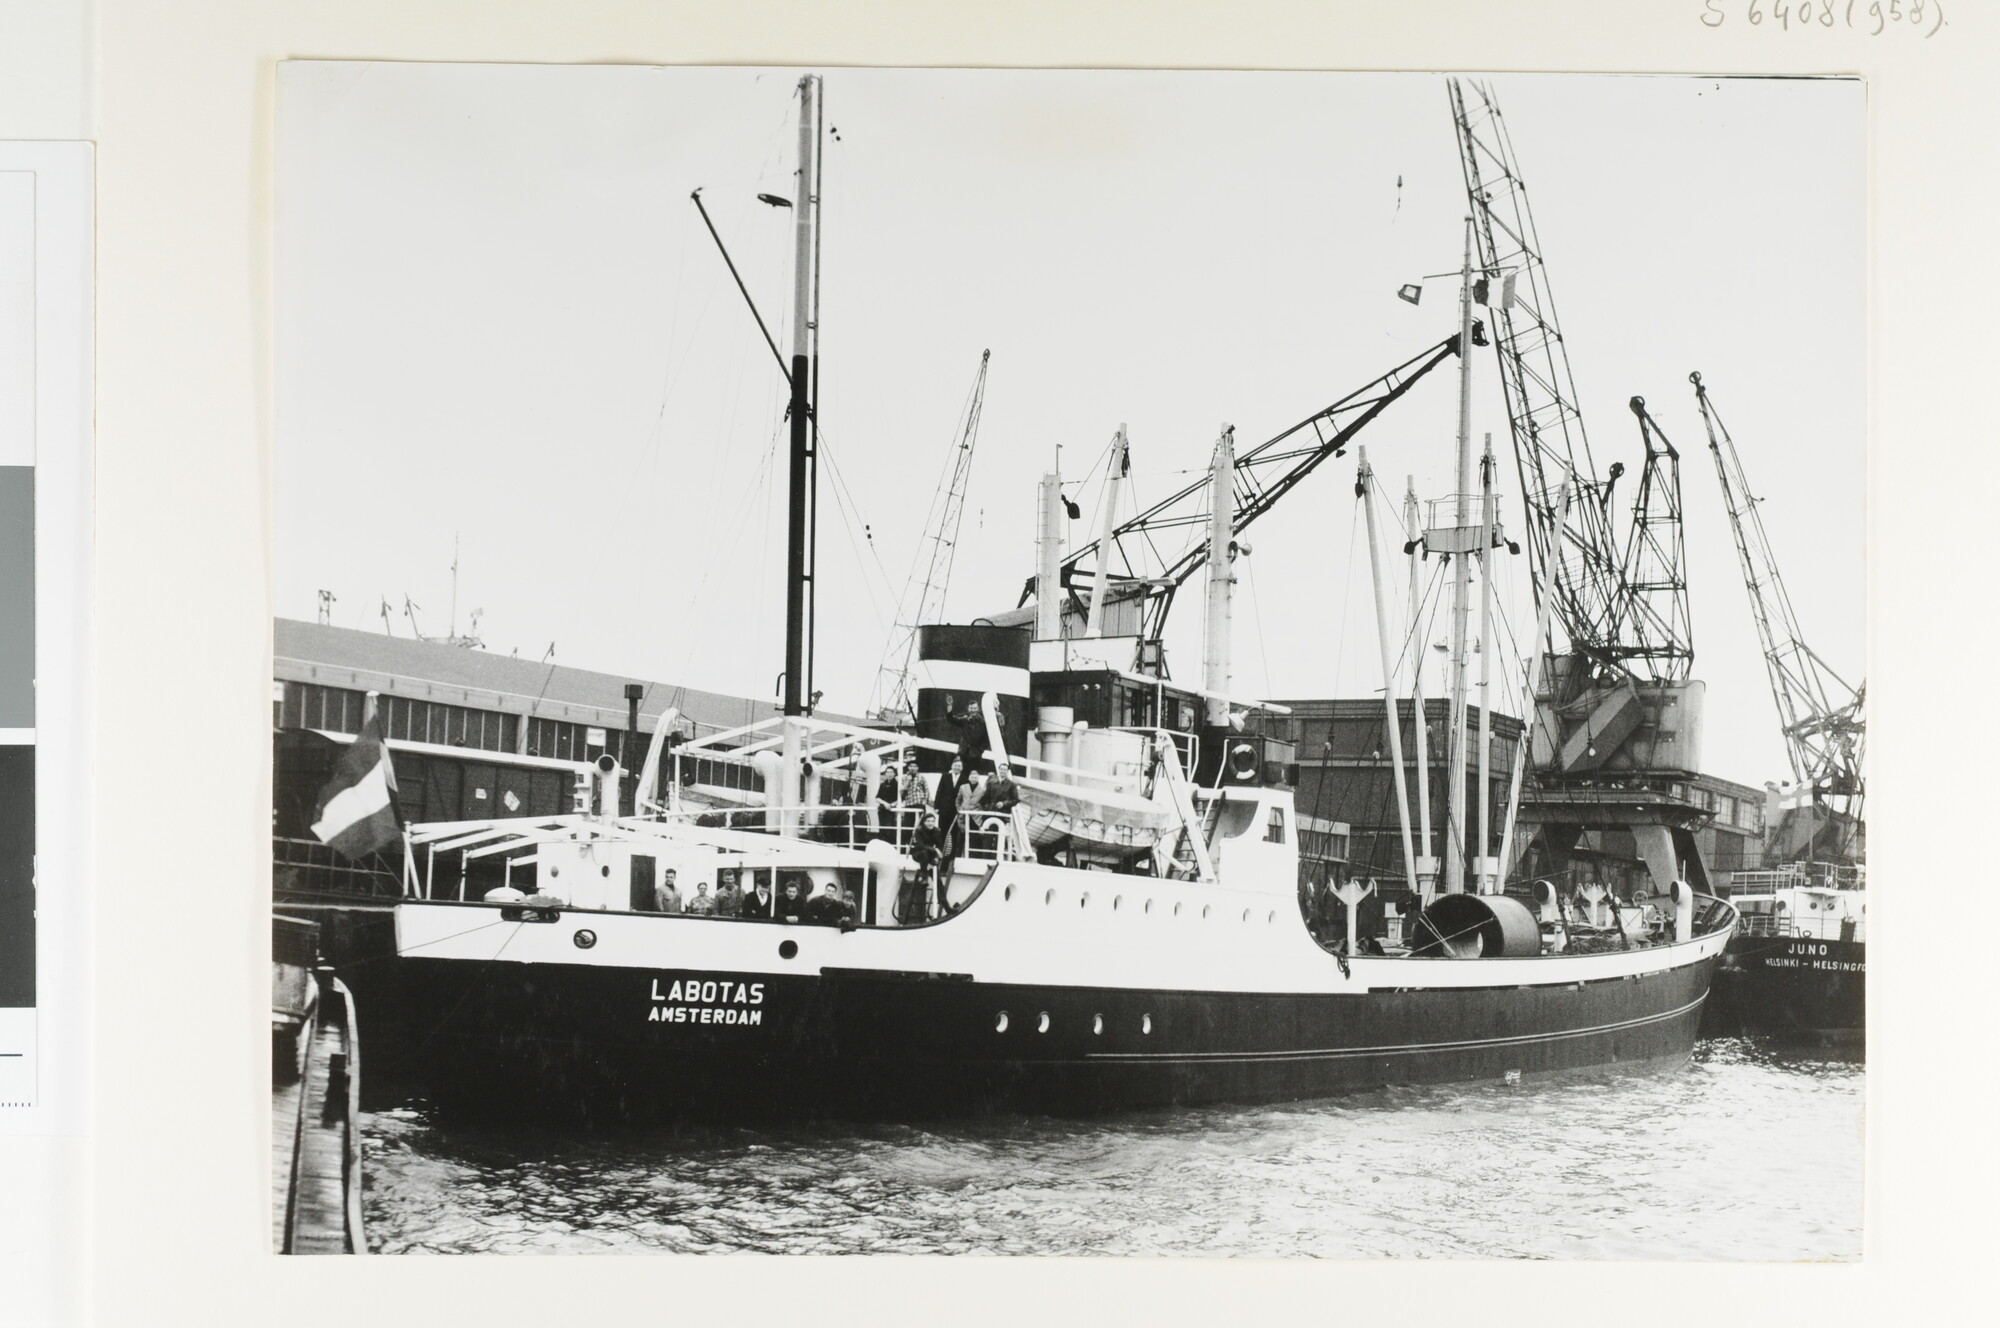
795,900
942,832
932,828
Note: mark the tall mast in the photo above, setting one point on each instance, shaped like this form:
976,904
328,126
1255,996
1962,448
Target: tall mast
1221,582
1101,591
804,471
1419,655
1364,489
805,317
1461,585
1488,517
1048,562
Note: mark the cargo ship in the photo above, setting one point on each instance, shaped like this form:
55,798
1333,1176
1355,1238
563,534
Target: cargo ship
1069,884
1797,968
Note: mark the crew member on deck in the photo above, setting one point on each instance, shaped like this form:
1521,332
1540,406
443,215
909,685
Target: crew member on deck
857,782
926,850
948,819
667,897
791,905
703,902
826,908
971,793
971,727
887,795
758,903
1000,794
728,899
915,798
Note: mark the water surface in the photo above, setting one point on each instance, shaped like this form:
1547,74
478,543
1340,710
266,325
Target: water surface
1747,1153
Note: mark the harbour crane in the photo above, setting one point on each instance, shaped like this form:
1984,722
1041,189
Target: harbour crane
1622,604
923,602
1820,713
1653,577
1616,705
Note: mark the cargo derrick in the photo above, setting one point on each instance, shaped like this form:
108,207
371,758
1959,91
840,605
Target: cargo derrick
1821,715
1617,728
1136,603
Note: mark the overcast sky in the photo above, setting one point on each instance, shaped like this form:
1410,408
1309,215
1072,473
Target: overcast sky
500,320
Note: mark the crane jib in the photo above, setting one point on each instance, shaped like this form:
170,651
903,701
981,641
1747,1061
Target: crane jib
1262,475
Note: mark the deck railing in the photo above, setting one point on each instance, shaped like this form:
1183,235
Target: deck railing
985,835
306,866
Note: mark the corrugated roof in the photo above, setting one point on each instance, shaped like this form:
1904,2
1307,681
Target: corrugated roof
434,671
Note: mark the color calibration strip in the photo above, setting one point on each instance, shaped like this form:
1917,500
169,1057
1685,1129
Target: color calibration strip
45,664
17,638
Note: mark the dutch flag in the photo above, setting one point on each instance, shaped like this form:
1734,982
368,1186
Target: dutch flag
356,814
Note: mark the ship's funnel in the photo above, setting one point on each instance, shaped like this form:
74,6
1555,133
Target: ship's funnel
957,666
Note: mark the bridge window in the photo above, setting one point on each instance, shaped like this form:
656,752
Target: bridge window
1274,830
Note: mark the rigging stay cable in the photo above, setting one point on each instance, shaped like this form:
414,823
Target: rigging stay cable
1339,655
759,486
850,520
1257,607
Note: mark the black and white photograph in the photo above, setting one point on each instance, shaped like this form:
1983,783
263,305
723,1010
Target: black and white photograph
1161,663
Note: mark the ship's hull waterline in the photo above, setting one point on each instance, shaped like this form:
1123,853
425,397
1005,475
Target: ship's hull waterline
820,1038
1798,989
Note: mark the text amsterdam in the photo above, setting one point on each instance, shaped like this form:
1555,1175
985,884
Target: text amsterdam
707,1001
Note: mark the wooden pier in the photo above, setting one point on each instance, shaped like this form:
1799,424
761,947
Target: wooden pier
315,1131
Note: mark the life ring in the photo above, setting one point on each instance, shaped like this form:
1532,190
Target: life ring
1243,761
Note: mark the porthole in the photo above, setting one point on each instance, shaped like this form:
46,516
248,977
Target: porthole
1007,894
1177,910
1149,906
1000,1024
1271,917
1049,898
1145,1023
1097,1024
788,949
1083,900
555,871
1204,910
605,871
1042,1024
1116,900
584,939
1246,915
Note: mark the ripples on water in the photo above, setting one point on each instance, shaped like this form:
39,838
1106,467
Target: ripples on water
1745,1154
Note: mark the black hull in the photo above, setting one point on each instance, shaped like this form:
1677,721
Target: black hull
619,1043
1791,988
